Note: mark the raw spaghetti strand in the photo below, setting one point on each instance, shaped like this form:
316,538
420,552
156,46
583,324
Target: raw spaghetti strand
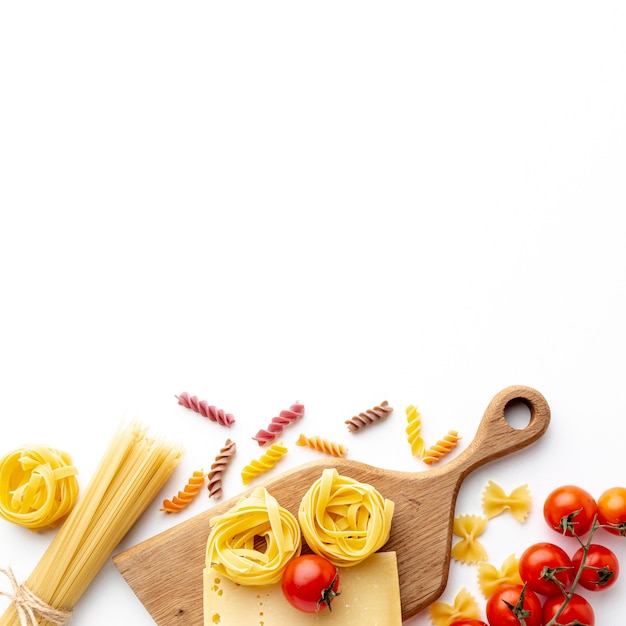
131,473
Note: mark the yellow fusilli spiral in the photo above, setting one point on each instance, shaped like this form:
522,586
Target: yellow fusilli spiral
322,445
344,520
252,542
414,431
184,498
264,463
38,486
441,448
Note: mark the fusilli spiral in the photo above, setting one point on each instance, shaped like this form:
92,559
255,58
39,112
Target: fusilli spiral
414,431
205,409
369,417
276,425
267,460
185,497
322,445
216,472
441,448
38,486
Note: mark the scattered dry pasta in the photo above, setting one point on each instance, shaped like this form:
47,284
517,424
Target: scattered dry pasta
441,448
205,409
215,475
495,501
490,577
414,431
322,445
265,462
38,486
468,549
252,542
344,520
463,607
368,417
276,425
185,497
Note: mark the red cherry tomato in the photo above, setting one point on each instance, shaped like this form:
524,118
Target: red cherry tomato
601,567
570,510
505,609
469,622
310,583
577,611
612,510
539,561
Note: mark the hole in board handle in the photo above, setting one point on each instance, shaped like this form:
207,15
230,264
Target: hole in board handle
517,414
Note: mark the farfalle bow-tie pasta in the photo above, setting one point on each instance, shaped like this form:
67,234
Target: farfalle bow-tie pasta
344,520
252,542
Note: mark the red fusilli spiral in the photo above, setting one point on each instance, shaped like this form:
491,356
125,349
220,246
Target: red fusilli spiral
275,427
203,408
369,417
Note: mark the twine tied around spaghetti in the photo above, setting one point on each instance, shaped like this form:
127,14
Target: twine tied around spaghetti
28,605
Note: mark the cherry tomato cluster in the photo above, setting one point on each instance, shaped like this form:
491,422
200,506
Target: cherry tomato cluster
550,575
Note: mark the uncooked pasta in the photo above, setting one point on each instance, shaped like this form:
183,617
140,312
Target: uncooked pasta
468,549
264,463
496,501
463,607
218,467
185,497
344,520
441,448
252,542
371,416
276,425
133,470
38,486
414,431
322,445
202,407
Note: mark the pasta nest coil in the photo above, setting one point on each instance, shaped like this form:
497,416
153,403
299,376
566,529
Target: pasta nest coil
344,520
252,542
38,486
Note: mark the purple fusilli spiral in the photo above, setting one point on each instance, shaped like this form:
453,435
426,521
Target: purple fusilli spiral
203,408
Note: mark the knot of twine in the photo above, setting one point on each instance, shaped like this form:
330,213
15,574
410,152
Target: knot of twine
28,605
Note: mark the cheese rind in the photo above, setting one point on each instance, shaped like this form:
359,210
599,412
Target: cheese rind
369,596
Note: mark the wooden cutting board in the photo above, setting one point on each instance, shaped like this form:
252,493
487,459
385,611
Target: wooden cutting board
165,571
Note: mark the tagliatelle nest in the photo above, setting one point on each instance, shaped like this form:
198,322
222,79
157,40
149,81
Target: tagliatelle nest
344,520
253,541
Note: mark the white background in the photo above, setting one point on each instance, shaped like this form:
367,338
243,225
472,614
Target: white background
330,202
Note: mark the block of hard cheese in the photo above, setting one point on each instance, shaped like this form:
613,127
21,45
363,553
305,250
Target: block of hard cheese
370,596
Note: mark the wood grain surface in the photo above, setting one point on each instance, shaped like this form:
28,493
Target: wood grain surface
165,571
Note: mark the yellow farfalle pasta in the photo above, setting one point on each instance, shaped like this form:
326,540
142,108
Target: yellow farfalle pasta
252,542
414,431
38,486
266,461
464,606
496,501
322,445
344,520
490,577
468,549
441,448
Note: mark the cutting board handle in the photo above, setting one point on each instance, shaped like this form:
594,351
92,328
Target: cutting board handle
495,437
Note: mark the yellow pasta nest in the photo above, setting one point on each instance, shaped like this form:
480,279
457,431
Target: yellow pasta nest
252,542
344,520
38,486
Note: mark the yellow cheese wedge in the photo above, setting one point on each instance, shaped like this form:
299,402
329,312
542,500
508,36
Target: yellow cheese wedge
370,596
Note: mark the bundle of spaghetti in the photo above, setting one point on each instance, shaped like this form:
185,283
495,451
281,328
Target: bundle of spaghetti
369,417
322,445
184,498
224,457
414,431
205,409
263,464
276,425
134,468
441,448
38,486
